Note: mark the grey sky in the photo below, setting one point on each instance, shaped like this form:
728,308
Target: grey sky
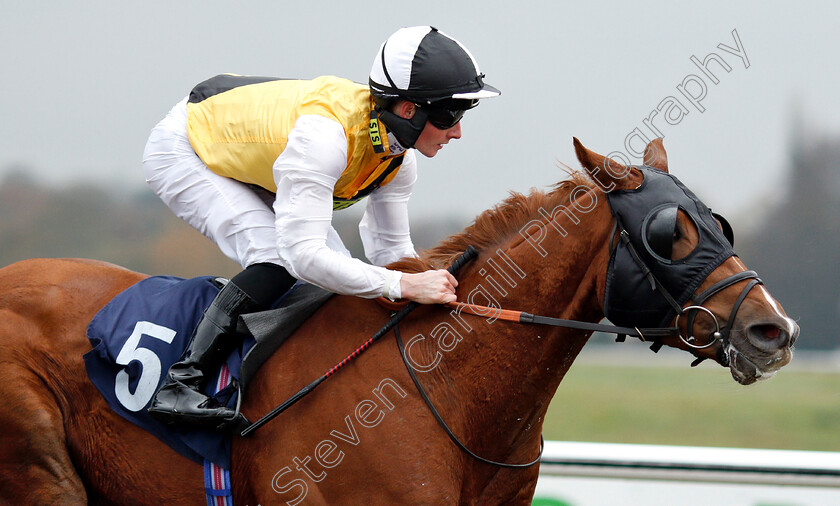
84,82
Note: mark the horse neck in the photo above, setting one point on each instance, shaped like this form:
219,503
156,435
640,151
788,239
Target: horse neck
504,374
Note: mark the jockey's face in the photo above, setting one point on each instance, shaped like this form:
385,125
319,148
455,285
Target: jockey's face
432,139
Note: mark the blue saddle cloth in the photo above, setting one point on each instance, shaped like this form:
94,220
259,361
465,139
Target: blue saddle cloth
136,338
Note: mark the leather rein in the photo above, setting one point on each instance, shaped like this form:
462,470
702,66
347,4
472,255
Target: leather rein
653,335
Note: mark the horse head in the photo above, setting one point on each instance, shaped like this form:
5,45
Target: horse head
671,263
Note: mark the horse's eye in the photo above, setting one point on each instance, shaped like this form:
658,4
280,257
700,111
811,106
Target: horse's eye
660,231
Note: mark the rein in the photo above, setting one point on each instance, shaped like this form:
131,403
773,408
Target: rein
442,423
645,334
654,334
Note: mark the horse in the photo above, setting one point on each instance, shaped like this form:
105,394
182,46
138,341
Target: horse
366,436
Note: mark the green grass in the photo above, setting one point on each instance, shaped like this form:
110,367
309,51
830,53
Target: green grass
696,407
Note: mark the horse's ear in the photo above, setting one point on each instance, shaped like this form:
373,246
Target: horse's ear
655,155
608,173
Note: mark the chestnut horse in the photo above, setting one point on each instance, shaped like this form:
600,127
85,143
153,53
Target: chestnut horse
366,436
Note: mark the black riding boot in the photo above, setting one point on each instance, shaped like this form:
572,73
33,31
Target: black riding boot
180,399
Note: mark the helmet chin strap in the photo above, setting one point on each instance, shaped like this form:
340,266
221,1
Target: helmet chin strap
406,130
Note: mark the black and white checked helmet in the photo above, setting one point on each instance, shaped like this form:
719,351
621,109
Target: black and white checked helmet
423,65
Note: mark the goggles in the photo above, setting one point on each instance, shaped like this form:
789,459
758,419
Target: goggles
446,114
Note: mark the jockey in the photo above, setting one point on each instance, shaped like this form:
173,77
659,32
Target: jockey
259,164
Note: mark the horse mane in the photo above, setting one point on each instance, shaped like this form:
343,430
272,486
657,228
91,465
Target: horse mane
495,225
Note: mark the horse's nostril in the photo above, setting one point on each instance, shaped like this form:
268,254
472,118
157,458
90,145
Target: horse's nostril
769,331
768,337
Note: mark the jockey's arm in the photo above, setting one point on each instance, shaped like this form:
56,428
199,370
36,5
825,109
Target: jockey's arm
306,173
384,228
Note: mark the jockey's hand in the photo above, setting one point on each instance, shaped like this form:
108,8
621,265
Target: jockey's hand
429,287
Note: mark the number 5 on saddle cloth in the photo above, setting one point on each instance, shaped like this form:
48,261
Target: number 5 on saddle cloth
145,329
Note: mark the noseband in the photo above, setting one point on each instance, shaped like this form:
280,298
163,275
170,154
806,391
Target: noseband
699,299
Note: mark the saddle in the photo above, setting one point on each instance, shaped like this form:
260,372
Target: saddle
145,329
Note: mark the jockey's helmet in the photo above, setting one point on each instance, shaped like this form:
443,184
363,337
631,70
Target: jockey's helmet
430,69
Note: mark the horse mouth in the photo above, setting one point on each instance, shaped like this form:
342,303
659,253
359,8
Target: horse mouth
755,360
746,371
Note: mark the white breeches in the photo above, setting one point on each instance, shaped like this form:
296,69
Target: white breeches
227,211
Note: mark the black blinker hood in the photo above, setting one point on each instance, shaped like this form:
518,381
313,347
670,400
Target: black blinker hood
642,289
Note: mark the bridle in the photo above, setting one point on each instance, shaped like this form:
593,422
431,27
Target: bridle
717,248
698,301
655,335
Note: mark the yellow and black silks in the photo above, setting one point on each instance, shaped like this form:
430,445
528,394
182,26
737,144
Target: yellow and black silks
239,125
